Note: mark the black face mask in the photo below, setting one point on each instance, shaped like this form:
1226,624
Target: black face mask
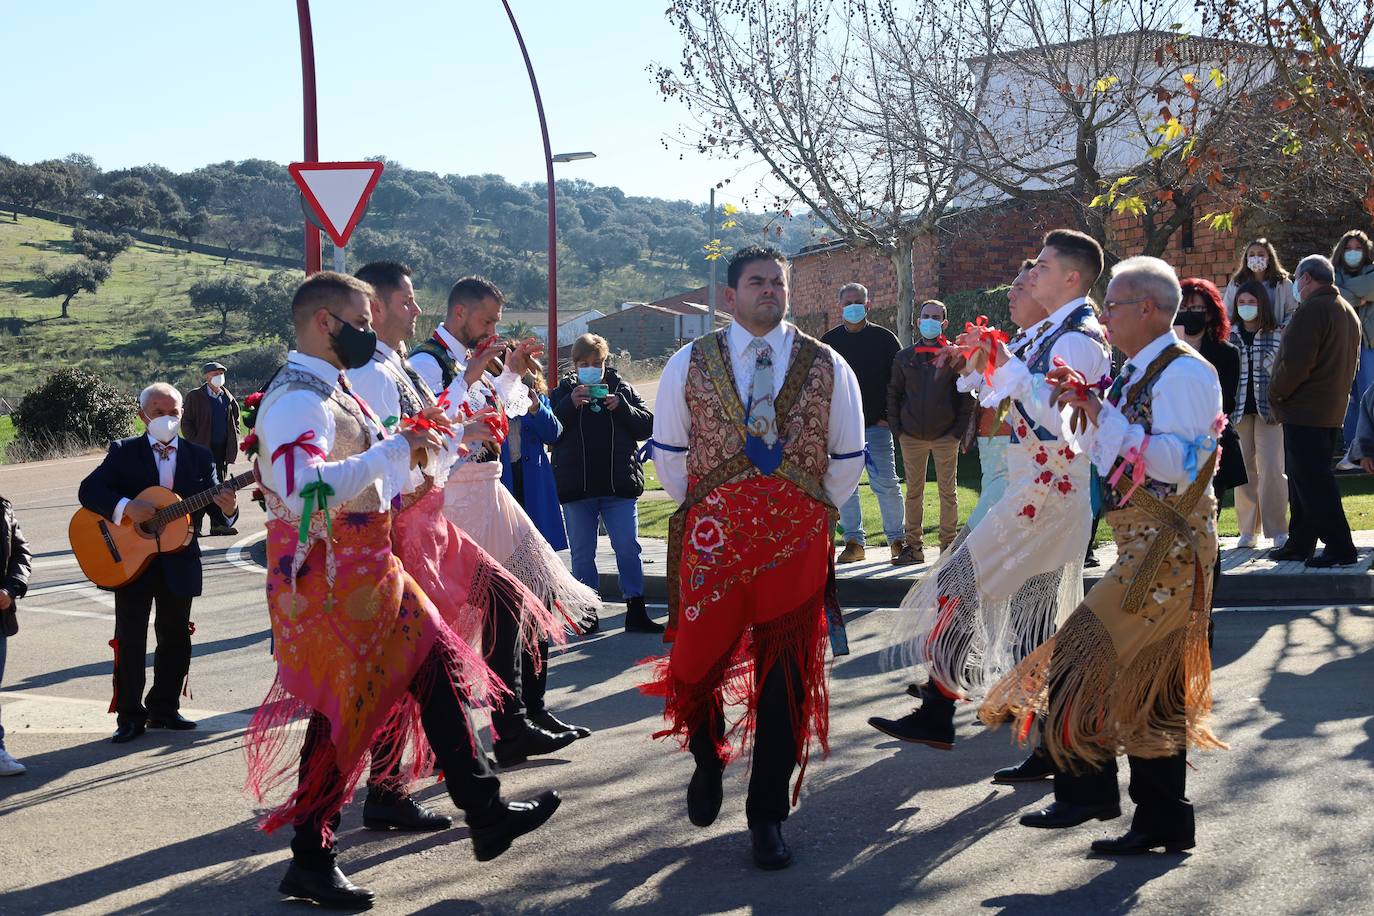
353,347
1192,323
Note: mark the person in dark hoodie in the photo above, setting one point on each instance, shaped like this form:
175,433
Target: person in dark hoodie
598,473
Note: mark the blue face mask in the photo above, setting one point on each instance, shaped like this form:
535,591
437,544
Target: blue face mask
590,375
855,313
930,328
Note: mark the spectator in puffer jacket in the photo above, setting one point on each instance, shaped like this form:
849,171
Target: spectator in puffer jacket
598,472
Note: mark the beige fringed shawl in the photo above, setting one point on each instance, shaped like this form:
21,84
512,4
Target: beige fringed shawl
1129,672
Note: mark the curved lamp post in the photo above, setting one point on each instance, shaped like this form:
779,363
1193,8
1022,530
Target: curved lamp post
312,123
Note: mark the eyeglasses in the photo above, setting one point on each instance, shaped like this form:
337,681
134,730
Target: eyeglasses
1109,305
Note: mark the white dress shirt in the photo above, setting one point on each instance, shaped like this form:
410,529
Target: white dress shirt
385,466
1014,379
166,474
509,385
1184,404
672,421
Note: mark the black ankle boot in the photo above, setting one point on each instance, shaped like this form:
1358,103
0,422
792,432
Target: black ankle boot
637,618
932,724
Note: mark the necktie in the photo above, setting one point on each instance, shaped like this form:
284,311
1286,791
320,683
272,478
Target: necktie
763,419
1119,383
164,452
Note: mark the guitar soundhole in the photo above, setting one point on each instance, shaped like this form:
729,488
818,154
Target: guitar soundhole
109,542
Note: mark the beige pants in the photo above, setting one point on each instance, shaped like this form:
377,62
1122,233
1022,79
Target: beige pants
1265,498
915,455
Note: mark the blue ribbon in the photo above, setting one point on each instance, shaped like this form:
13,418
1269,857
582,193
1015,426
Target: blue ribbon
1190,454
646,452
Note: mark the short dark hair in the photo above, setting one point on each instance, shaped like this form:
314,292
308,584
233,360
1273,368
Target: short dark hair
1079,249
325,290
383,276
472,290
747,256
1026,265
916,316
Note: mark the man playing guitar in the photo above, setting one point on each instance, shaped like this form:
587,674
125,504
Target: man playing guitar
172,580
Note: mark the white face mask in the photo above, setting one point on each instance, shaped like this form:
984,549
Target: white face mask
1257,262
1353,258
164,429
217,380
1247,312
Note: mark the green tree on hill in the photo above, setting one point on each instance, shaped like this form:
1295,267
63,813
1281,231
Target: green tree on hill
32,185
518,330
83,276
270,314
100,246
226,295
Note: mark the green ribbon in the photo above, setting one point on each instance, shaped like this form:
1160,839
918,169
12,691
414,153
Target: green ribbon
390,422
312,492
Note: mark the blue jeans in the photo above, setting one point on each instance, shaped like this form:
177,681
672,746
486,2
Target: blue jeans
882,478
621,516
1364,377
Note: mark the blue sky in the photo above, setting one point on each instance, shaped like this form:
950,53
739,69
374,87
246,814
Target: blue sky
432,84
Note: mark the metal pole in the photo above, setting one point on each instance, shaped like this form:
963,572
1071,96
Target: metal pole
339,259
711,294
312,126
552,355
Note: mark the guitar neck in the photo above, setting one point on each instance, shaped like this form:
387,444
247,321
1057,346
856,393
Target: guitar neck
199,501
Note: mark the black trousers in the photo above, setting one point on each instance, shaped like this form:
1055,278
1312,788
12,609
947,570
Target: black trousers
534,677
171,658
217,519
1314,500
1158,787
505,657
449,731
775,746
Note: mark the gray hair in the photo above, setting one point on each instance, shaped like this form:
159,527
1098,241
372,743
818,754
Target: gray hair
1318,267
156,389
1153,278
853,288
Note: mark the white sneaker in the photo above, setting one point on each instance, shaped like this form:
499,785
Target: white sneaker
1280,541
1345,464
1246,542
9,766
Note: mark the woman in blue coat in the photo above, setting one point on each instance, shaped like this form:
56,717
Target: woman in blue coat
525,468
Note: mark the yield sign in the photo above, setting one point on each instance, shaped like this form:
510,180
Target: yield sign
337,192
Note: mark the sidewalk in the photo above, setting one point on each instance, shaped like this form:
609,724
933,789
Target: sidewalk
1248,577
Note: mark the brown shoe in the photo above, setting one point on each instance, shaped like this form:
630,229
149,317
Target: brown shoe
896,547
910,556
853,553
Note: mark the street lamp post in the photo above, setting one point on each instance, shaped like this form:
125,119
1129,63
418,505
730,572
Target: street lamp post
312,131
549,160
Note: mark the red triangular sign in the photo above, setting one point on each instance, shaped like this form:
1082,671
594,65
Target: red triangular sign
337,192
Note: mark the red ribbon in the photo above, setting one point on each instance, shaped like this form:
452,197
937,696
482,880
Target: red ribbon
498,423
1078,384
988,337
288,450
420,423
940,344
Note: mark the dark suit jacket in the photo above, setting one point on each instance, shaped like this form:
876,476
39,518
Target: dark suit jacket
195,422
129,468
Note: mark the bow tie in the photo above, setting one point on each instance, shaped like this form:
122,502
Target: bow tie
164,451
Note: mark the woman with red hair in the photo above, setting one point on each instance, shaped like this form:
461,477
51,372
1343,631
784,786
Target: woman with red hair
1203,323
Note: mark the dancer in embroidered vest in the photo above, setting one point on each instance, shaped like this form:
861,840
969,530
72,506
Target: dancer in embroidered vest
759,435
475,500
1129,672
485,603
361,652
997,596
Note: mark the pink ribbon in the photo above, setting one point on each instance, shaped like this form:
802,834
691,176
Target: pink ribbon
1136,458
288,451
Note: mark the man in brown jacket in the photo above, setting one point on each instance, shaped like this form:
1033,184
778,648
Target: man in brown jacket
1309,390
210,417
928,415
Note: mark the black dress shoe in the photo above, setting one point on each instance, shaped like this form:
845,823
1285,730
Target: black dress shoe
173,720
530,742
551,723
704,795
127,731
1288,552
1034,768
637,618
1327,560
770,851
924,726
1059,815
388,811
517,818
219,531
588,625
1136,842
327,888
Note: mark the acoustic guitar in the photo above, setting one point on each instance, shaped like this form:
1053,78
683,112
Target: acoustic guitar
113,555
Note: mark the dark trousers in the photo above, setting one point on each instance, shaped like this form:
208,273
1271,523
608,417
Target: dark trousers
171,659
1158,787
449,731
505,657
775,746
217,519
534,677
1314,500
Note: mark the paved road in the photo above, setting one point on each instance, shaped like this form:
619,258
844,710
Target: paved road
1284,823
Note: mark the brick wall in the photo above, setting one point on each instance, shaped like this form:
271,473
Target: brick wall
644,333
817,277
982,248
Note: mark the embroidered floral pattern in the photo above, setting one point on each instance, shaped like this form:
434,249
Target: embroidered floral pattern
707,536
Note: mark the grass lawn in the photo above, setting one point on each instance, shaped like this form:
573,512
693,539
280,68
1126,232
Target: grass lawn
6,434
1357,492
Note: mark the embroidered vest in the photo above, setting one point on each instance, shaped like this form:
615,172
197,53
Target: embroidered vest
1138,410
715,445
351,433
1082,320
447,366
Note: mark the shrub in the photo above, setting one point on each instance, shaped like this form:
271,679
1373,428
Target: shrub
100,246
74,409
248,370
968,305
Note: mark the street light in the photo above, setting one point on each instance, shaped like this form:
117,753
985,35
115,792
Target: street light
573,157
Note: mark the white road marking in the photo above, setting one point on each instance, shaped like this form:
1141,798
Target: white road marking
26,608
236,551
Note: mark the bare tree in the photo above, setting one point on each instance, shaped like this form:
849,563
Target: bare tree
801,85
